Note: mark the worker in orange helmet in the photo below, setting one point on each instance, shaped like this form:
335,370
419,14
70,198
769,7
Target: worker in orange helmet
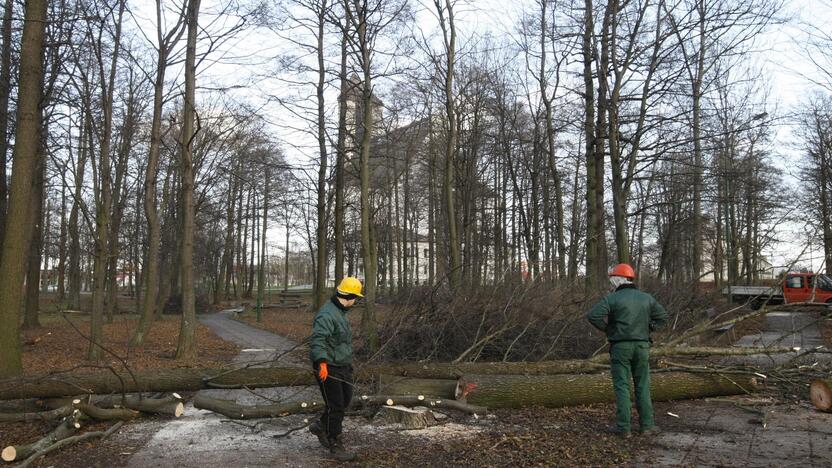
627,316
330,349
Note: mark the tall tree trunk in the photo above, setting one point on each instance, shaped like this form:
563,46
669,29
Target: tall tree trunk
62,241
104,198
186,348
698,167
449,37
320,236
340,162
5,92
369,249
261,268
593,184
75,278
150,273
32,303
24,166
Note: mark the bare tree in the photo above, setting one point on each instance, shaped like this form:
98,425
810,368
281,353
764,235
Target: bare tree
25,162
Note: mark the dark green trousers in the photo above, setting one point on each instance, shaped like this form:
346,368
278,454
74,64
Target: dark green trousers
629,362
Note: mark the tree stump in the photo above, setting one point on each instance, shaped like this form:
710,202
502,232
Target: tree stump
409,418
821,394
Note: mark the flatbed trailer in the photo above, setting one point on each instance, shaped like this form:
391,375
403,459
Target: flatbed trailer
795,288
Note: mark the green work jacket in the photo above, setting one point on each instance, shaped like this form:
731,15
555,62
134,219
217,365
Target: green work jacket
331,339
627,315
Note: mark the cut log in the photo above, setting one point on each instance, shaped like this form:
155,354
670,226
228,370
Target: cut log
821,394
105,414
409,418
66,428
554,391
171,405
437,388
235,411
50,415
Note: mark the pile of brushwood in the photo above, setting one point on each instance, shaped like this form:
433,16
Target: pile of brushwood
467,383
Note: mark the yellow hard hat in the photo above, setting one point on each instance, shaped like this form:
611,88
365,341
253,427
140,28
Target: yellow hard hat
350,285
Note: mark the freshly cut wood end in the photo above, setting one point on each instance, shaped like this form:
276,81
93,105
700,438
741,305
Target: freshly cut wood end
76,401
9,454
303,405
177,396
180,409
821,395
420,397
389,402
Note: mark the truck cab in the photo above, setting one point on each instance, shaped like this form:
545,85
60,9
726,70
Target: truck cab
807,287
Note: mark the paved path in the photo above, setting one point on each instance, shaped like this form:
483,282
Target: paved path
797,330
720,433
202,438
258,345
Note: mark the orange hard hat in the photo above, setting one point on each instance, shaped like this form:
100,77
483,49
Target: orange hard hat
623,269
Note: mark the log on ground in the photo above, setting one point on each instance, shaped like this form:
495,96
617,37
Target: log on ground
397,385
156,380
171,380
66,428
27,416
555,391
235,411
821,394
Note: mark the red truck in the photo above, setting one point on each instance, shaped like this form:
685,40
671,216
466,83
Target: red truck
796,288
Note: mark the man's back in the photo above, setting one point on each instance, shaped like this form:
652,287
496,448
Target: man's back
627,315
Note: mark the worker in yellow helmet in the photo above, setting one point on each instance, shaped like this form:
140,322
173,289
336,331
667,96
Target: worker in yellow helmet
330,349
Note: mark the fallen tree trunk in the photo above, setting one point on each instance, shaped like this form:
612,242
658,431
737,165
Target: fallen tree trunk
821,394
396,385
233,410
169,380
66,428
49,415
105,414
554,391
171,405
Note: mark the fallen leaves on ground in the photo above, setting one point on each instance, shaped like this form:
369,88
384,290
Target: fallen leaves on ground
57,346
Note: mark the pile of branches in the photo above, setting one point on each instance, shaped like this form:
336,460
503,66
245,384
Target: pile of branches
514,322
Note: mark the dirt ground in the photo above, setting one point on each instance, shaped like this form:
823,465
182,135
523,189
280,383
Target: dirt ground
716,432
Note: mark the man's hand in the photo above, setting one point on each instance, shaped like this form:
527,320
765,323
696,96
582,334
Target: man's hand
323,372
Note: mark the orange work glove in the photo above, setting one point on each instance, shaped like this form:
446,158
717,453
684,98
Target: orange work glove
323,372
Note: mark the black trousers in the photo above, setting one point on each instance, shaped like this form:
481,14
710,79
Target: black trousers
337,393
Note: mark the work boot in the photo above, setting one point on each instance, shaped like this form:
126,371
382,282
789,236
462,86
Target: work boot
338,452
317,429
620,433
652,430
